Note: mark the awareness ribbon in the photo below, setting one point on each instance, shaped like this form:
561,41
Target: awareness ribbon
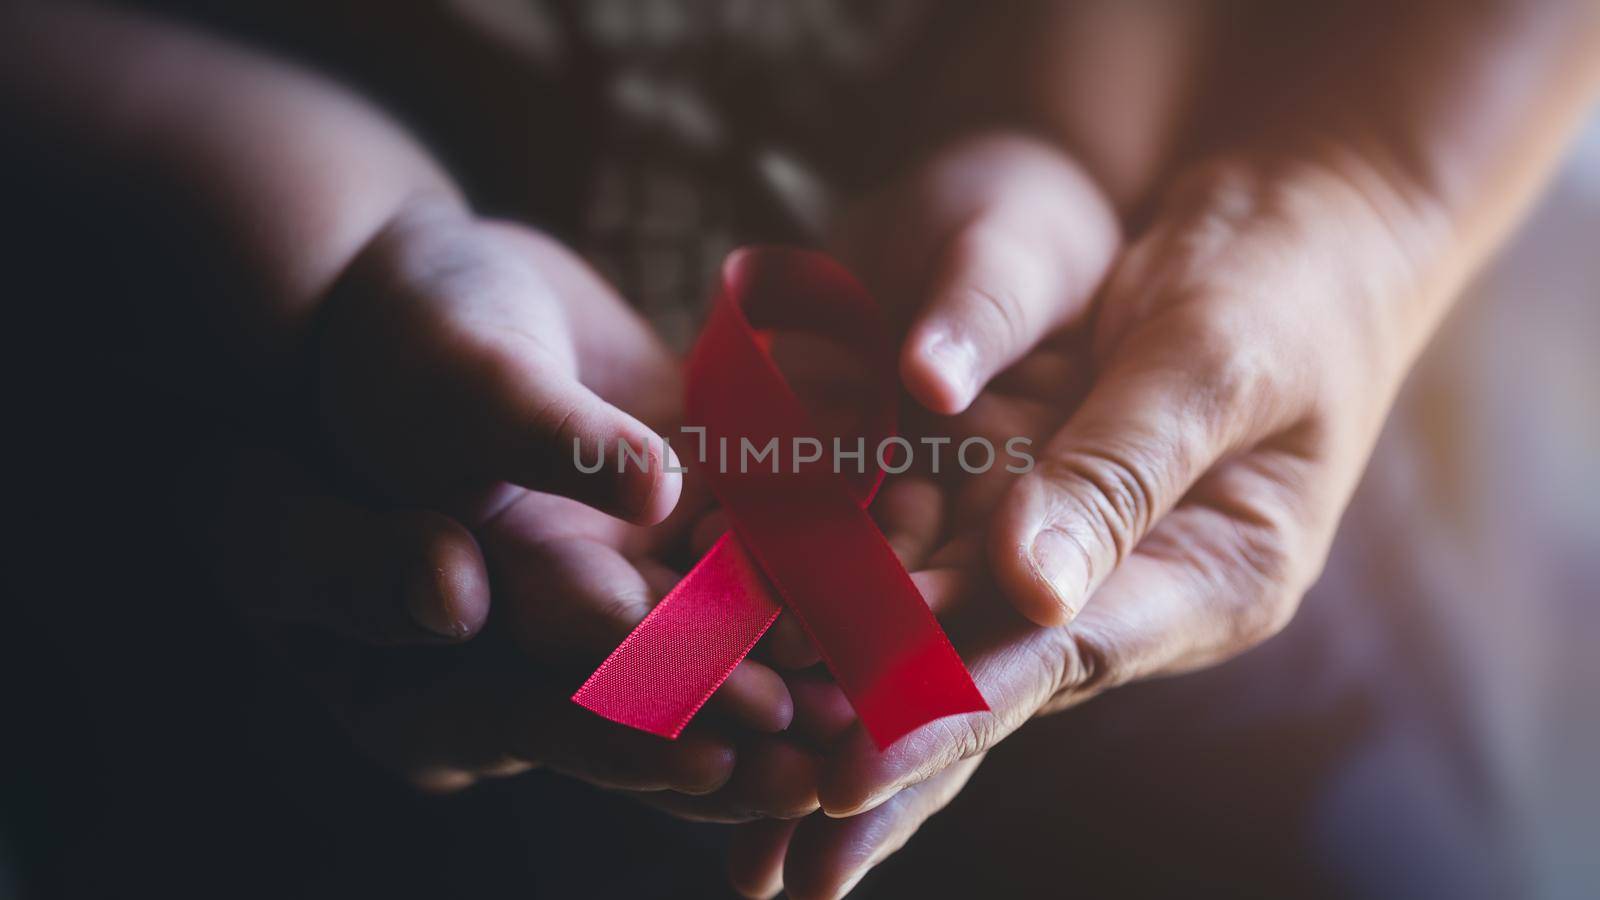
800,533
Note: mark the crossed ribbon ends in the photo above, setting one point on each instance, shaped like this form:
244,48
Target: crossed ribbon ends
800,537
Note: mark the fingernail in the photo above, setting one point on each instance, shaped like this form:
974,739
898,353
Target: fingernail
427,605
955,361
1059,563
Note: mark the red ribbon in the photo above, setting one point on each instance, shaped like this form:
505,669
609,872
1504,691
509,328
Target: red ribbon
802,533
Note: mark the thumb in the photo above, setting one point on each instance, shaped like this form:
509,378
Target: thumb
1182,390
1024,260
450,363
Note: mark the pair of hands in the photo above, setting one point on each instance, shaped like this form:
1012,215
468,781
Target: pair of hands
1201,403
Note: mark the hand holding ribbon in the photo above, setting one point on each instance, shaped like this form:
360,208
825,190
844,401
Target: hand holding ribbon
862,611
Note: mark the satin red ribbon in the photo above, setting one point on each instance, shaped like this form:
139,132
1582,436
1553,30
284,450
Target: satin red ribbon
803,536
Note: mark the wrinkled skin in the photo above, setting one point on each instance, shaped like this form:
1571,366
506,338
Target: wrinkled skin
1197,438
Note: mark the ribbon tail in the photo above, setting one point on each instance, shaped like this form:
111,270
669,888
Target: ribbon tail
672,663
872,627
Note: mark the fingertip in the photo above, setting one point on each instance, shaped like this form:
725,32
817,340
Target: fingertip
776,778
856,777
940,370
1057,568
1030,573
660,487
822,711
701,764
1040,568
757,697
582,447
446,585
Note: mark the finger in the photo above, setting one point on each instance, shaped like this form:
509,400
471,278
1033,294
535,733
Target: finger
1221,573
909,510
995,293
1023,265
295,557
1213,578
575,742
496,716
775,779
1011,662
827,857
821,710
755,857
787,646
619,355
511,417
573,600
1169,405
452,361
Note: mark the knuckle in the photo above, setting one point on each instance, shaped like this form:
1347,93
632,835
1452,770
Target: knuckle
966,736
1056,659
1227,370
1088,665
1265,614
1218,375
1220,358
1266,585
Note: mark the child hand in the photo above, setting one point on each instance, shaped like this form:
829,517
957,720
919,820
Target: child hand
460,360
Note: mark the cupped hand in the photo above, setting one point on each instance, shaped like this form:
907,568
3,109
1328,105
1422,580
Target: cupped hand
1238,365
461,360
1244,354
987,255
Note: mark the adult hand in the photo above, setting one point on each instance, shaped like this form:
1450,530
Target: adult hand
1242,358
1185,505
993,245
1206,435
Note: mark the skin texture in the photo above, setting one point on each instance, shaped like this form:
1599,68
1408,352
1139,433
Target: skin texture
1201,334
